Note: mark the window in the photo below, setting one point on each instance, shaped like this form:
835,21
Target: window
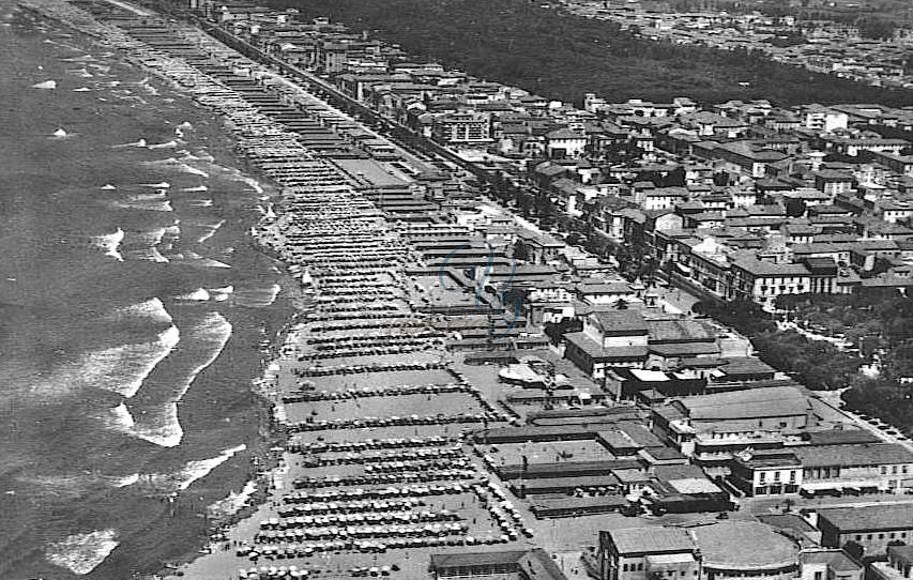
624,567
640,566
819,575
884,470
777,476
858,537
894,470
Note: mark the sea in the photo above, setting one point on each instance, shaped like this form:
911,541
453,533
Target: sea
134,307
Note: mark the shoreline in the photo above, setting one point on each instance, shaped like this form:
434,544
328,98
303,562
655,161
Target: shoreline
260,456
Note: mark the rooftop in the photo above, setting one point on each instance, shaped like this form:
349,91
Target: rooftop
770,402
744,546
873,517
651,540
863,454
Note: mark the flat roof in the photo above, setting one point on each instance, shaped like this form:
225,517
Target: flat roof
873,517
860,454
462,559
650,540
769,402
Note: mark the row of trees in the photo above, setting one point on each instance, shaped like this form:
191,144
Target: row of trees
881,325
817,364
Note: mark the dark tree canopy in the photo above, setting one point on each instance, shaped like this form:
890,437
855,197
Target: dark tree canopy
564,56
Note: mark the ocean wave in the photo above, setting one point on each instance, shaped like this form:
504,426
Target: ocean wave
46,85
82,90
60,133
210,231
191,472
152,309
233,503
125,480
199,202
177,164
198,295
253,183
203,155
196,188
121,369
196,259
257,298
210,263
149,88
119,419
145,202
150,242
185,126
110,244
138,143
213,333
221,294
166,145
80,72
82,553
132,363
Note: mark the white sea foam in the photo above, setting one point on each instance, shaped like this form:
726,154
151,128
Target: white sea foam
135,362
82,90
221,294
209,231
82,553
125,480
233,503
119,419
197,260
166,145
150,242
110,243
193,170
108,187
159,185
196,188
179,165
213,334
257,298
201,468
138,143
200,202
152,310
46,85
198,295
253,183
191,472
146,201
60,133
80,72
210,263
149,88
